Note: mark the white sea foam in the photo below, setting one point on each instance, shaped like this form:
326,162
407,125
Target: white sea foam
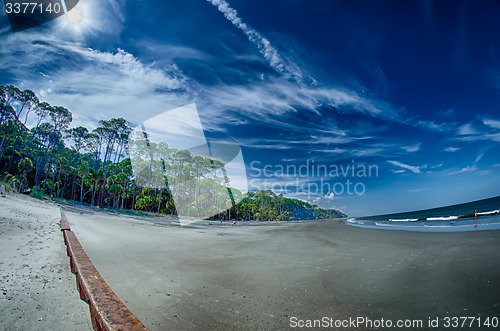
490,212
354,221
383,224
448,226
442,218
404,220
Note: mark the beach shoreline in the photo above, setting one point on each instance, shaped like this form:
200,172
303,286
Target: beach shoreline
174,220
250,277
259,277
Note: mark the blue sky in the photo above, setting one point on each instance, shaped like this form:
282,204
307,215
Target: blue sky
411,87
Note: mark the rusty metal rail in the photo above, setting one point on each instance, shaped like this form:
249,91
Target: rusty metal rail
64,223
107,312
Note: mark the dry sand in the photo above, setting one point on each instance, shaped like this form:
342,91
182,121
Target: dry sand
37,288
257,277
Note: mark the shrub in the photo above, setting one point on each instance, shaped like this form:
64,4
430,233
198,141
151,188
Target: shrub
37,192
7,181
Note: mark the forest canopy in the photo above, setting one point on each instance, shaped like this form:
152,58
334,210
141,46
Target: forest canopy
40,153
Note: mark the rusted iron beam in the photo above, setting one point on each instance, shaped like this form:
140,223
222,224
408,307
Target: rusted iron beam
107,311
64,223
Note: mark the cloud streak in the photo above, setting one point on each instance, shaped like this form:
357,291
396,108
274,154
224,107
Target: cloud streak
471,168
411,149
289,70
466,130
90,82
492,123
278,97
413,169
478,158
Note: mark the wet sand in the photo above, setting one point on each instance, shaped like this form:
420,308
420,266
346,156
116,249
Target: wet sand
258,277
37,288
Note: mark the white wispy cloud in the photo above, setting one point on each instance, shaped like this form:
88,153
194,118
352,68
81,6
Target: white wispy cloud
471,168
91,83
365,152
467,129
451,149
411,149
416,190
308,145
485,129
289,70
278,96
434,126
136,77
494,137
413,169
30,56
492,123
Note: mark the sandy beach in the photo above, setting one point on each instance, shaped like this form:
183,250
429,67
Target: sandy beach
259,277
37,288
240,277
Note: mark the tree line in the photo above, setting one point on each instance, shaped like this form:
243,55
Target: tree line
265,205
41,154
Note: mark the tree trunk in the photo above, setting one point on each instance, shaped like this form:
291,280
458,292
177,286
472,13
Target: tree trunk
123,197
93,194
72,196
53,179
133,197
159,201
63,188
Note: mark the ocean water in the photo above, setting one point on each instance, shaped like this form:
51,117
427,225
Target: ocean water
444,219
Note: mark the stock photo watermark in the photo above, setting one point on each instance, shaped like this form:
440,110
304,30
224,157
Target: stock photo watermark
447,322
312,178
25,15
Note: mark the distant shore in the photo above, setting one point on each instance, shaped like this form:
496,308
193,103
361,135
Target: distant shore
225,277
162,219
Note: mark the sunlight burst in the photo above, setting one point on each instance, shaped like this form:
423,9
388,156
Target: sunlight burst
79,20
75,16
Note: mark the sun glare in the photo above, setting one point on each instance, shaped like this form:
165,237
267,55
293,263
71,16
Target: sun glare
78,21
75,16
